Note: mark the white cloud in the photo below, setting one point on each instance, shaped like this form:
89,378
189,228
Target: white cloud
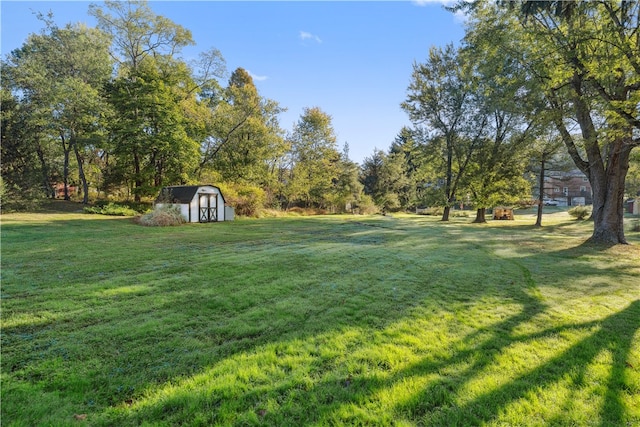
426,2
458,16
308,36
256,77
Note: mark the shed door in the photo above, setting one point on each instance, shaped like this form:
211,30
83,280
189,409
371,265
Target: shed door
208,207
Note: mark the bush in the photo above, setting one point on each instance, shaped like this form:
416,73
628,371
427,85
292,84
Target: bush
112,209
298,211
247,200
439,211
140,207
580,212
434,211
365,206
167,215
16,199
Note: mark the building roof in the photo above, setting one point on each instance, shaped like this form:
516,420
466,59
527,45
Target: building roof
181,193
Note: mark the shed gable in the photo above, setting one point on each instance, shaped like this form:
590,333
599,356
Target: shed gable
177,194
182,193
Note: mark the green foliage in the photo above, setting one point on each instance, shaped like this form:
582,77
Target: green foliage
315,160
247,200
166,215
57,77
17,199
583,60
365,206
446,103
150,130
112,209
245,136
580,212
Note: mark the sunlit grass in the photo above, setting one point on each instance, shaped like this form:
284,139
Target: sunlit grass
336,320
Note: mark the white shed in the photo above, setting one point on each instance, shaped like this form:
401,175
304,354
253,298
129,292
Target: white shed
198,203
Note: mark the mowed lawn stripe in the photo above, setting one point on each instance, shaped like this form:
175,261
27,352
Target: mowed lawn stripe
334,320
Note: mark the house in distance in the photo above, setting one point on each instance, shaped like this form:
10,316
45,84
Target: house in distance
197,203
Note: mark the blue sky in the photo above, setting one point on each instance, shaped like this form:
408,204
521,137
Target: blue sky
353,60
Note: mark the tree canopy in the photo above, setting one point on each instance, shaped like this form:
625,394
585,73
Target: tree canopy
116,112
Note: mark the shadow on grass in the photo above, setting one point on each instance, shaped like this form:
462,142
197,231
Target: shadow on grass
409,275
615,334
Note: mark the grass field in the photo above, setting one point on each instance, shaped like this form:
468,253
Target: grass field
334,320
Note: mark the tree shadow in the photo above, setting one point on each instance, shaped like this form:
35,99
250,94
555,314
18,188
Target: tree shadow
411,280
615,334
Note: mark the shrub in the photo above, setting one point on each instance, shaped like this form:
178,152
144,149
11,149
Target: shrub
298,211
365,206
16,199
580,212
111,209
247,200
433,211
167,215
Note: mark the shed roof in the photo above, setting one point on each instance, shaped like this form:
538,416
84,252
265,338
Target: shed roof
181,193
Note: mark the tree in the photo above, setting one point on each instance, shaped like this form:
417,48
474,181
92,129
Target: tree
26,154
584,54
314,157
245,136
508,99
60,73
137,32
384,179
151,143
151,138
347,189
543,151
407,146
441,98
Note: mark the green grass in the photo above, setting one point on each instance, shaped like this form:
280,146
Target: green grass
335,320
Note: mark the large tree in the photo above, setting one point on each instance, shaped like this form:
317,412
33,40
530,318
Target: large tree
410,152
384,179
245,138
150,133
138,32
314,159
59,74
507,97
441,100
585,55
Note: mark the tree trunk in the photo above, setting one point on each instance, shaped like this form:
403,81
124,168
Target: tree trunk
606,168
480,216
445,214
137,179
81,176
46,184
608,196
449,192
540,192
65,175
66,149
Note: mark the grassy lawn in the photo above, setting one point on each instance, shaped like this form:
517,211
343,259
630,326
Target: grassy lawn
335,320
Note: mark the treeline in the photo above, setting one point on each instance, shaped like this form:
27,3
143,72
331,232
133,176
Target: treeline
117,112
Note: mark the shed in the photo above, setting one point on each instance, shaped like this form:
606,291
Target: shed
197,203
503,213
